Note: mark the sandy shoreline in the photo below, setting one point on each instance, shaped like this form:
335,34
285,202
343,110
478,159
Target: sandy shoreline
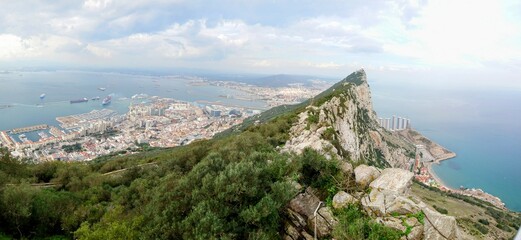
434,153
477,193
436,177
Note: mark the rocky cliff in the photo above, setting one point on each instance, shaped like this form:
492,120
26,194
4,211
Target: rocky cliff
341,123
382,194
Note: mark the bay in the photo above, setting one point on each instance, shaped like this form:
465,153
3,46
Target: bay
482,126
22,90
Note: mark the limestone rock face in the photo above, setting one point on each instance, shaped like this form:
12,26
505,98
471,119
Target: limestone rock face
416,231
393,179
388,201
402,205
304,204
439,226
302,220
365,174
387,196
392,222
346,168
357,135
342,199
383,203
324,222
307,138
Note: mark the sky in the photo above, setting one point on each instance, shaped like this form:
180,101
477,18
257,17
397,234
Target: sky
435,42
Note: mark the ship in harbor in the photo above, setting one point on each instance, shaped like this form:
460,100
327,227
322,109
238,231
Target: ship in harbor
102,89
106,101
81,100
96,98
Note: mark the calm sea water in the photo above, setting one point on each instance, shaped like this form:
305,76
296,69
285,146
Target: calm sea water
483,127
23,89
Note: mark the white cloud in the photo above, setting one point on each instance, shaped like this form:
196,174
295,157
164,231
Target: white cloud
324,38
461,33
96,4
98,51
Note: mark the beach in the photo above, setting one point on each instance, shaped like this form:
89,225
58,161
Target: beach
476,193
436,178
433,153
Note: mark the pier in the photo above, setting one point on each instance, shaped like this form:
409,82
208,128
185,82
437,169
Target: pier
29,129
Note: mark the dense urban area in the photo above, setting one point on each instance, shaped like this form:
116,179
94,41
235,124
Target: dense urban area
152,122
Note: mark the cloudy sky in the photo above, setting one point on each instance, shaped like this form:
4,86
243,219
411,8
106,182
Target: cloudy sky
434,39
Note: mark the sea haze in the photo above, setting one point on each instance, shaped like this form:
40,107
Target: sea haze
483,127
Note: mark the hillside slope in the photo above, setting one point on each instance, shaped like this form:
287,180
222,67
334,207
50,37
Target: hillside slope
262,179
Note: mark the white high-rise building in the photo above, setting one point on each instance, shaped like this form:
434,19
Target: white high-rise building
388,123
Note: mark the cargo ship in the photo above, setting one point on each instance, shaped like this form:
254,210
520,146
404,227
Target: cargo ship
106,101
79,100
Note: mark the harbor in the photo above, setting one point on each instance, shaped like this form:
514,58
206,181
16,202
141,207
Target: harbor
28,129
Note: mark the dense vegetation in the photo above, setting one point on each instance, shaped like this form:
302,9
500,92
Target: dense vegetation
72,148
233,187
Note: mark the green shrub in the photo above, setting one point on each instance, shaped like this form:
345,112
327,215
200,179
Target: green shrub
503,227
440,209
481,228
313,117
483,221
354,225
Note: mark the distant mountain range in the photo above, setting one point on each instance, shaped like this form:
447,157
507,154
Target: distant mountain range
281,80
278,80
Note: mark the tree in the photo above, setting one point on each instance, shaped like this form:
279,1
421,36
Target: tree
17,205
113,225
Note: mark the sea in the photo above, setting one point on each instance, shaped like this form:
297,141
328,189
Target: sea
482,126
21,106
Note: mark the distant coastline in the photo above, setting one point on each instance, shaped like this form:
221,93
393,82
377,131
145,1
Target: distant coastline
432,153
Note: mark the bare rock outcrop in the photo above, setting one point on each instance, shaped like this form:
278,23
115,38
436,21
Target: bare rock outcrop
308,138
364,175
342,199
302,219
383,203
388,202
438,226
346,168
393,179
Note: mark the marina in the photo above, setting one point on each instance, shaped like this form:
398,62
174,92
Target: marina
29,129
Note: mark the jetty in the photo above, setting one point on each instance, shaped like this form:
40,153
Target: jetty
29,129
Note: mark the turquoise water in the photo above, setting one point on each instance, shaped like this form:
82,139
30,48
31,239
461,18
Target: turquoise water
483,127
22,91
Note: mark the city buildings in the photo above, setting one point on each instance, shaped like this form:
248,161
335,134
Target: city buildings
160,122
395,123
